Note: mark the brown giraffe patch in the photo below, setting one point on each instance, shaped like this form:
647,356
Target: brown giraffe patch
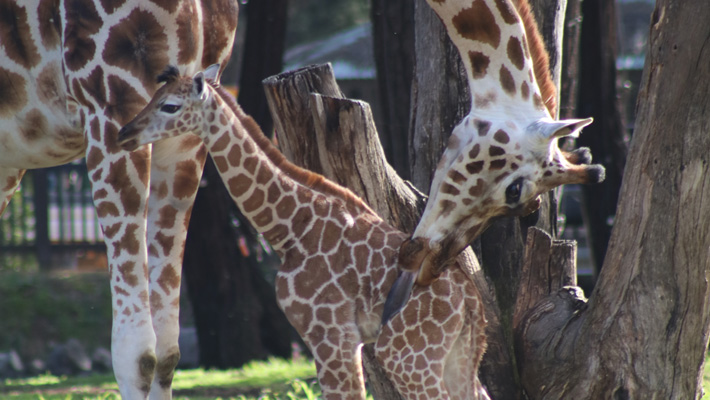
277,234
479,64
474,167
235,156
515,53
537,102
250,164
456,176
475,150
34,126
507,81
495,151
156,302
501,177
506,11
497,164
166,217
525,90
112,230
450,189
254,201
106,208
119,179
129,241
93,86
446,207
169,279
331,237
166,242
221,163
11,99
221,143
312,277
139,45
188,30
15,35
286,207
187,179
482,126
83,21
501,137
478,23
48,11
239,184
264,217
127,273
168,5
110,6
124,101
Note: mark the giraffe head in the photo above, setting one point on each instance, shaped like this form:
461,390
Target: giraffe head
173,109
493,167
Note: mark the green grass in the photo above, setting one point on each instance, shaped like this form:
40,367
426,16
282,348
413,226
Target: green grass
273,379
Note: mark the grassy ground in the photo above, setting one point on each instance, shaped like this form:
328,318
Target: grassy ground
275,379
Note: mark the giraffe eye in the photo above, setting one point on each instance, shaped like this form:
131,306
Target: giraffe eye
169,108
512,192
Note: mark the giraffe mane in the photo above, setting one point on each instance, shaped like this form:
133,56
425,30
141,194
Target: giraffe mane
310,179
540,57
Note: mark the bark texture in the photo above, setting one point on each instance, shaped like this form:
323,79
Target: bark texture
393,43
644,332
263,51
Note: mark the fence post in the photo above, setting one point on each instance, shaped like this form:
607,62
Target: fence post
41,209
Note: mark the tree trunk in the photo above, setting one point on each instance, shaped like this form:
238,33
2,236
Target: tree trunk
263,55
393,42
605,137
644,331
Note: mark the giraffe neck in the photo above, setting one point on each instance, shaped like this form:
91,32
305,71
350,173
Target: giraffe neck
502,51
278,198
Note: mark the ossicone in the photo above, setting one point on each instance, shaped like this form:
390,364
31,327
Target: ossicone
169,74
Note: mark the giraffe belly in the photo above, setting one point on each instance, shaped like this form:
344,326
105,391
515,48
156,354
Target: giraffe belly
37,143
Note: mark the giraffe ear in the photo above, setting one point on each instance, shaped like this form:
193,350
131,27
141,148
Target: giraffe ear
198,85
557,129
212,73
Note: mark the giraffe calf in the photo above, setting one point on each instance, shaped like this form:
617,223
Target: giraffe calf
339,259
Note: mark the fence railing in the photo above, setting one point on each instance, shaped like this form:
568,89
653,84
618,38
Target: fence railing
52,212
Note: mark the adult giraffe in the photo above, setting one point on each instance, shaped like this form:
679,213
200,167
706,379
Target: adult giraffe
72,73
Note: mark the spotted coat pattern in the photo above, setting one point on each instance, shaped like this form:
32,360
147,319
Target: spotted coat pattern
339,258
503,155
71,73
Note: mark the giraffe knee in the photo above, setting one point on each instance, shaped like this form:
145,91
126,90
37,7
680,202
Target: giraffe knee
166,368
146,370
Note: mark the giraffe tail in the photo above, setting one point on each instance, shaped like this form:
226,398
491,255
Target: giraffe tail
398,294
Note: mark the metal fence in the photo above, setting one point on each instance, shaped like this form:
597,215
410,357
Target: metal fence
51,213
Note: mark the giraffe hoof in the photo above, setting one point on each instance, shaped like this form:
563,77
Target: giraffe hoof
398,295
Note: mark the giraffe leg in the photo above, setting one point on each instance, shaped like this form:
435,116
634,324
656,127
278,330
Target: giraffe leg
175,176
414,345
120,186
9,182
336,351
